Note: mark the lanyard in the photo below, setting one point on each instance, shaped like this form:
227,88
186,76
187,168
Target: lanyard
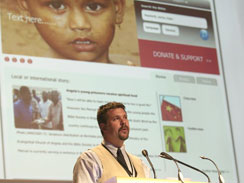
126,169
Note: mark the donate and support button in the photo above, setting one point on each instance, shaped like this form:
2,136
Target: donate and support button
164,55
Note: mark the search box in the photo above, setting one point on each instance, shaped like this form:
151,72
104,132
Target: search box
169,18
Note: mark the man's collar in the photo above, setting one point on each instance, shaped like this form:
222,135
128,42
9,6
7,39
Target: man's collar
113,149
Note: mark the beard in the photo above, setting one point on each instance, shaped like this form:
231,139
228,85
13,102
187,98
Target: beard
122,136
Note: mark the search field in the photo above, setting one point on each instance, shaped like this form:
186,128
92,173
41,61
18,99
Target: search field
169,18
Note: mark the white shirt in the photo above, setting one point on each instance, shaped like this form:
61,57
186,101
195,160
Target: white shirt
88,167
44,108
55,114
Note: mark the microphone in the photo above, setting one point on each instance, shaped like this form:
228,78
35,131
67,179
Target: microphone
167,156
144,153
221,178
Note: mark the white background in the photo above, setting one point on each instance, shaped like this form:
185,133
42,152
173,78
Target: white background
231,28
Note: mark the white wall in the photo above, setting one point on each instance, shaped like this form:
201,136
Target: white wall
231,27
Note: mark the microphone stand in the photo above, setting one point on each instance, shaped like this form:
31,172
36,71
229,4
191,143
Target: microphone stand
180,175
167,156
221,178
145,153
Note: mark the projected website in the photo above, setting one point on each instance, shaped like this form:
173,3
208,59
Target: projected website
160,59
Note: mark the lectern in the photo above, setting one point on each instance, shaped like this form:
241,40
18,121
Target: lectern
143,180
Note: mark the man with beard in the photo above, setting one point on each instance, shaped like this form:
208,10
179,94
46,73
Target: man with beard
110,158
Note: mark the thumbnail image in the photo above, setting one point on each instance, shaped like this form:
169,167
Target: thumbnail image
32,28
37,108
174,139
171,108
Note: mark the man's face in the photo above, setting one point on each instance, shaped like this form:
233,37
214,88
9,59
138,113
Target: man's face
77,29
55,98
116,130
26,97
44,96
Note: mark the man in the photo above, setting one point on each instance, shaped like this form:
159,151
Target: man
35,96
25,109
55,115
104,161
44,105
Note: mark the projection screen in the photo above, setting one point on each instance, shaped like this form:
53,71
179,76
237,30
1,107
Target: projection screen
161,58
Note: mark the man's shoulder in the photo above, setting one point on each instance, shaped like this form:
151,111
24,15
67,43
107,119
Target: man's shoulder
96,147
88,153
88,156
18,104
48,102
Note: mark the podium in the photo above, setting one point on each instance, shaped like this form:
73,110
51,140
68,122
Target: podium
143,180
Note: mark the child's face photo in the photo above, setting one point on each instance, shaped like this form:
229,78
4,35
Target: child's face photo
77,29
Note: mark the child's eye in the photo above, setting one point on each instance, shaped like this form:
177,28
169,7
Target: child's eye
115,118
94,7
57,5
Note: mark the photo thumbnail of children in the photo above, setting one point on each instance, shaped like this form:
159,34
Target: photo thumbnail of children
174,138
37,108
83,30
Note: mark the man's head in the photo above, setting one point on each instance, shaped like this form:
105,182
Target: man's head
25,94
34,93
44,96
80,29
55,97
113,123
